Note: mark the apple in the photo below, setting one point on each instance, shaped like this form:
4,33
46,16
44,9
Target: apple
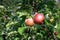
55,33
29,22
38,18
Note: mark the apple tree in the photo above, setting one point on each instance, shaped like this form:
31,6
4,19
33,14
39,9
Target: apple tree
28,19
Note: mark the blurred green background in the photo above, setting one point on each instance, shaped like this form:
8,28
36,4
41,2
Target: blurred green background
14,12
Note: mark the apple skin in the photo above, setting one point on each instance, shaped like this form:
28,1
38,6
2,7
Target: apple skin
29,22
55,33
38,18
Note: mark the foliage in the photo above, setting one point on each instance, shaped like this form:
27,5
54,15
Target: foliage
14,12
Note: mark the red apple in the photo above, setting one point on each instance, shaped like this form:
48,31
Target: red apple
55,33
29,22
38,18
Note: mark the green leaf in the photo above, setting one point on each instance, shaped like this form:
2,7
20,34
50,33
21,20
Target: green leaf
1,38
21,30
1,6
10,23
16,39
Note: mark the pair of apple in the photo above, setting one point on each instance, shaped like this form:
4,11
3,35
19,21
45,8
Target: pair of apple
37,19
